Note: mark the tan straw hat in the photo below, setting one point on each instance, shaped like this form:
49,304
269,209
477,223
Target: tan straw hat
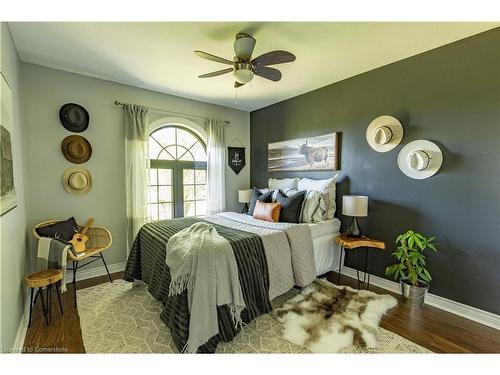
384,133
76,149
77,181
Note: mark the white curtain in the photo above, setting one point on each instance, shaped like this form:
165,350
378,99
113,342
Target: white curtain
216,167
136,168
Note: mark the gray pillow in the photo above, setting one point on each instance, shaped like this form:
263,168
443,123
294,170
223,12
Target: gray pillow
290,206
257,195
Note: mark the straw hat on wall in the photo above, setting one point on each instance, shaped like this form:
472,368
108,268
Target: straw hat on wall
77,181
384,133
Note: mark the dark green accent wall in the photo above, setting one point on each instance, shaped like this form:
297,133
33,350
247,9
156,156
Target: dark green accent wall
451,96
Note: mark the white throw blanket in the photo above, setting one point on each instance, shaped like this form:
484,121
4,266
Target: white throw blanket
203,262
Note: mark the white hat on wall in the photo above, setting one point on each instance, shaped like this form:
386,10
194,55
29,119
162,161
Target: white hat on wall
420,159
384,133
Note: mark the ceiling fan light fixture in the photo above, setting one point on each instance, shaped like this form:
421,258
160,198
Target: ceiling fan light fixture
243,72
243,46
244,66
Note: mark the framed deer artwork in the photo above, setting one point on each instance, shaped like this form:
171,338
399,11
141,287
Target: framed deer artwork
304,154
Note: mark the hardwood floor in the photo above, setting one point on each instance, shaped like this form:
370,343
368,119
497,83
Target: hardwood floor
435,329
64,334
432,328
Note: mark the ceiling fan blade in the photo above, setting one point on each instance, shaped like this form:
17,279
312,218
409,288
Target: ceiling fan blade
273,57
243,46
268,73
211,57
217,73
237,84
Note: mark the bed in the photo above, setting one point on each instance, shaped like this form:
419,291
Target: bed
272,258
326,250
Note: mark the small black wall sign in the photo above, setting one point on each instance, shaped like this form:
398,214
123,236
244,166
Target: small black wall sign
236,158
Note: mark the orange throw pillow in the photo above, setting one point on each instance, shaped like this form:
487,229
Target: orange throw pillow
267,211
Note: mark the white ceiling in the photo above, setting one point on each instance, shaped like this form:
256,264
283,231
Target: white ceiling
159,56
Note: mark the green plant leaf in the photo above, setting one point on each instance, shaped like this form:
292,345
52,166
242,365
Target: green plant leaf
420,244
427,274
411,241
432,247
424,277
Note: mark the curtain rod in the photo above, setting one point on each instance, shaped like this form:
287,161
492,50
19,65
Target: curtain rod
118,103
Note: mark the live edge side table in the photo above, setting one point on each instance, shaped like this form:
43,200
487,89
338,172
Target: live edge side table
354,243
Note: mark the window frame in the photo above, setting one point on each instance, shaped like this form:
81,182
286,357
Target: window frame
178,166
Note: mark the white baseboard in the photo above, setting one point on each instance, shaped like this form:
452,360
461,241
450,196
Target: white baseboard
21,331
457,308
82,274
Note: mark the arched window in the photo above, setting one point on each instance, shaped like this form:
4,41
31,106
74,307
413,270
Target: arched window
178,174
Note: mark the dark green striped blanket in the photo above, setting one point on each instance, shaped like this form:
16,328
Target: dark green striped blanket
146,262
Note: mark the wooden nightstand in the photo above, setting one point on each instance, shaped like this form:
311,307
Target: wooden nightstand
354,243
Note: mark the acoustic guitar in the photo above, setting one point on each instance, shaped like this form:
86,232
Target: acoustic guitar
79,239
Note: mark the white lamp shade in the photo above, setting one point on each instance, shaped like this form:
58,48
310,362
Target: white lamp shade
244,196
355,205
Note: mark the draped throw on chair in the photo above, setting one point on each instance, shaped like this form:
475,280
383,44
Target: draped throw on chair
216,167
136,168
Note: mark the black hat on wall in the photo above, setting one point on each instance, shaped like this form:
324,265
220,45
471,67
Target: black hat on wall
74,117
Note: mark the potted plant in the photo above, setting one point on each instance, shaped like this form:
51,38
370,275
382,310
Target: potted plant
410,269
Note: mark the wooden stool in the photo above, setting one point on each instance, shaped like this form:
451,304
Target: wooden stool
44,279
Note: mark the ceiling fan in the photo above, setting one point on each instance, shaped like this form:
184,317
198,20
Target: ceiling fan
243,67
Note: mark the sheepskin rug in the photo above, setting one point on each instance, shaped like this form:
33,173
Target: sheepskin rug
326,318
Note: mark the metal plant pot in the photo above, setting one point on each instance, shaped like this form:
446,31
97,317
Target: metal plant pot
414,295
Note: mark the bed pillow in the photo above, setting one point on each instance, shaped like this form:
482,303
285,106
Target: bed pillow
258,196
267,211
290,192
313,208
291,206
326,187
62,229
282,183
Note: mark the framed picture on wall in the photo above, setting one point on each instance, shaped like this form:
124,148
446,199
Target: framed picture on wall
304,154
8,198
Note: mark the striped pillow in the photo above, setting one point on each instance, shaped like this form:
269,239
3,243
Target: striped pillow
313,208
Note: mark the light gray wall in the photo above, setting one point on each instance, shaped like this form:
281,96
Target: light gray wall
45,91
13,224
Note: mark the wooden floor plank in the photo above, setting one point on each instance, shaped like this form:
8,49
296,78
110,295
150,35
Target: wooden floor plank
432,328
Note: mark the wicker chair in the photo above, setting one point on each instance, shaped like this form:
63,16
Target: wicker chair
99,240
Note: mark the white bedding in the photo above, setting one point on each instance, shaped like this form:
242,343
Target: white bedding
326,250
324,228
326,254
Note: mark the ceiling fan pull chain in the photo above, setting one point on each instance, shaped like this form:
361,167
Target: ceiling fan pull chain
235,96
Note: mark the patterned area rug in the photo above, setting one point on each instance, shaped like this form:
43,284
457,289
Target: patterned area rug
119,318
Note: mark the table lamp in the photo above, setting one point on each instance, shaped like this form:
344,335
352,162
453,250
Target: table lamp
245,196
355,206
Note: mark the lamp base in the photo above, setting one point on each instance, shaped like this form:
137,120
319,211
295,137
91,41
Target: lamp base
245,209
354,230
